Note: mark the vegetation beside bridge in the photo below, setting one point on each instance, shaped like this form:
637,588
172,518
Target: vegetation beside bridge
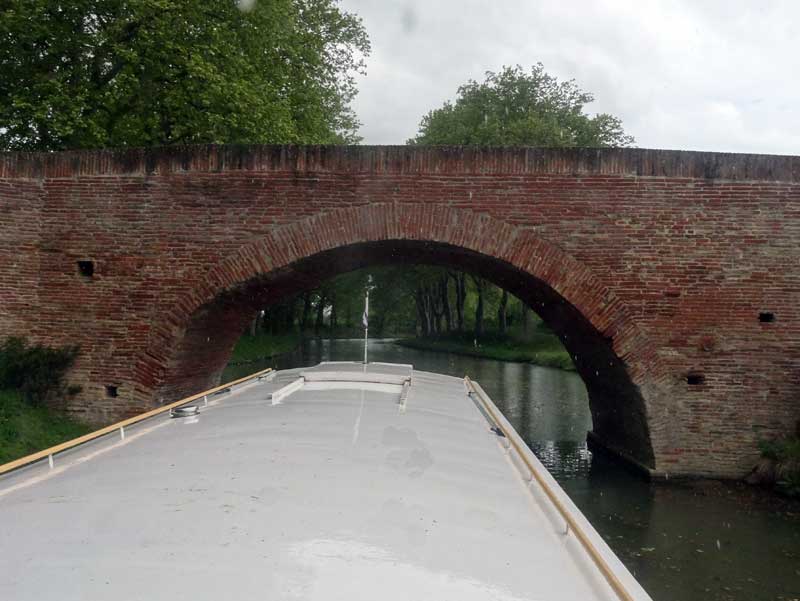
31,381
780,464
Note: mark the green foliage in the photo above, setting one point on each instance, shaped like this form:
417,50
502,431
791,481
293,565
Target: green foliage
111,73
392,300
509,108
790,484
263,345
394,312
785,452
35,371
781,450
515,108
25,429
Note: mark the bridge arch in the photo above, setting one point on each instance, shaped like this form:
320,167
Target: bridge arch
189,346
682,267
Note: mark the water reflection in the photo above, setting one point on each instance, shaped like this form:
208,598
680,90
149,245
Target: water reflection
683,543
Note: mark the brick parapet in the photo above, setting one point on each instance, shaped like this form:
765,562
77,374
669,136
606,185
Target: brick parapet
404,160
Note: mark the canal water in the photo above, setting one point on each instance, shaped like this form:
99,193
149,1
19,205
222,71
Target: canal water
683,542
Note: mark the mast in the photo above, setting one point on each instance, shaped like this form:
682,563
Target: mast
365,321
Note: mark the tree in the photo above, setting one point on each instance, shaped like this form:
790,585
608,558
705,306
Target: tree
322,301
391,299
515,108
480,288
459,279
502,319
306,312
110,73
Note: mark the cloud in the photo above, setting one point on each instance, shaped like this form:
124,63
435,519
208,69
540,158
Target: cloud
681,74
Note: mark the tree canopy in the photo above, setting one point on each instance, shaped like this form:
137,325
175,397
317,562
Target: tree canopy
517,108
111,73
510,108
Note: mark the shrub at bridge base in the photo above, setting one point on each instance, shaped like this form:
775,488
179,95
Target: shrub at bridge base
31,375
36,371
779,466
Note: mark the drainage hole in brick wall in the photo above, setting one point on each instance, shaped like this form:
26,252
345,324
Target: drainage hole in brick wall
766,317
86,268
695,379
112,391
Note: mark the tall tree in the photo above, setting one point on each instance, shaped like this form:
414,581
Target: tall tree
320,319
460,280
502,321
524,310
306,311
444,291
110,73
514,107
480,288
518,108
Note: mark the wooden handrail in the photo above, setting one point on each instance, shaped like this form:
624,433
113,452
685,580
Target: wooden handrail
596,556
28,459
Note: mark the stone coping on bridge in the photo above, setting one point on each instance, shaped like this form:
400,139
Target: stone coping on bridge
402,160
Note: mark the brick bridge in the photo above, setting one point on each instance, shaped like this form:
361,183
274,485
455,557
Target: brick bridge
671,277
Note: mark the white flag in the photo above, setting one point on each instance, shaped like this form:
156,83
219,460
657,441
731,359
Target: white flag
365,317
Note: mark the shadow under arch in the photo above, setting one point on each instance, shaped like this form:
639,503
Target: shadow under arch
190,346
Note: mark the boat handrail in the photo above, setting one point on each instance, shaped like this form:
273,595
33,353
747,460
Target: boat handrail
614,582
119,426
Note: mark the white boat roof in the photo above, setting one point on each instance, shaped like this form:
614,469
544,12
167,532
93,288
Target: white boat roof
335,482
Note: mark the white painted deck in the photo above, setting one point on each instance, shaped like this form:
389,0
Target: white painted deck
349,488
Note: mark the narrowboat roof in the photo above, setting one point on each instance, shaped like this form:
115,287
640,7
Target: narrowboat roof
340,481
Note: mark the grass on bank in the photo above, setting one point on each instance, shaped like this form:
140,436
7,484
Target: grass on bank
25,428
30,376
540,348
263,346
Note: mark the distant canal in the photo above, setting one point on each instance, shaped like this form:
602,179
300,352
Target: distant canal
708,542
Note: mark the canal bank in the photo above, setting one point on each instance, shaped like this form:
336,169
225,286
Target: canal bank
538,349
262,347
685,542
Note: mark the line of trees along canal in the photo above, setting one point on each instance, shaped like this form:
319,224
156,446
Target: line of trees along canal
420,301
426,307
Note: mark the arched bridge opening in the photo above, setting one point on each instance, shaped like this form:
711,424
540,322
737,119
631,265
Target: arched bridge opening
619,412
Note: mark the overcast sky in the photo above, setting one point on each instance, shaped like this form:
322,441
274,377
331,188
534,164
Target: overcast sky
688,74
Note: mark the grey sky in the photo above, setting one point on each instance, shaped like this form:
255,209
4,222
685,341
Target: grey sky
691,74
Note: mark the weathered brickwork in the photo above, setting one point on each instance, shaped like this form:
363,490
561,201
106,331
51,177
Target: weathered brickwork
653,266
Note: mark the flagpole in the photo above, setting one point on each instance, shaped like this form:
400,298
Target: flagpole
366,327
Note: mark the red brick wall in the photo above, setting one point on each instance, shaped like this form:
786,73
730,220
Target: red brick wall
20,222
649,264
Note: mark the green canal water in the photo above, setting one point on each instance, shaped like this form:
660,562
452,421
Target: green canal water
684,542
